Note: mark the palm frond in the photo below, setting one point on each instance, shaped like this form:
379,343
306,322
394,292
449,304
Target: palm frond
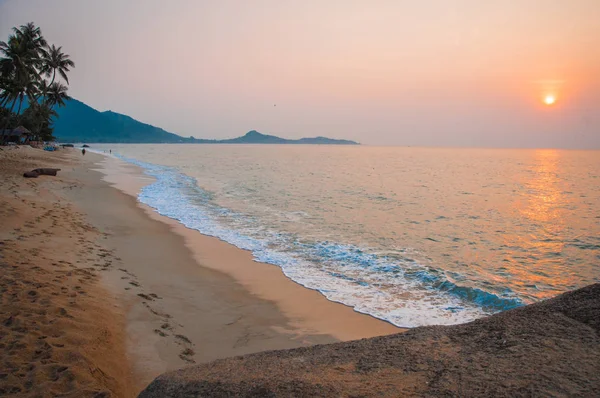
63,73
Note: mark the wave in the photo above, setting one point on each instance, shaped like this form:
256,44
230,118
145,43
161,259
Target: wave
390,286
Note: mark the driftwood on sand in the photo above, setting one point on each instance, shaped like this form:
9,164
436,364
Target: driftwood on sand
39,172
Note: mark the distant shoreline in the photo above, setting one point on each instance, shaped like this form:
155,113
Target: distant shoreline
198,143
79,122
252,137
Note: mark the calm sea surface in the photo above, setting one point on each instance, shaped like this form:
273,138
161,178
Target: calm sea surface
415,236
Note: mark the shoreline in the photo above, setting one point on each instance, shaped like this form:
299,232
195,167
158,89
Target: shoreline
308,309
170,296
100,294
252,307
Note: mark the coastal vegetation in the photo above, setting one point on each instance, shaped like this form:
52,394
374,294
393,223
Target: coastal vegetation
33,81
33,94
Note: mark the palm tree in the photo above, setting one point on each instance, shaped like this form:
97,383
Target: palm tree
57,95
9,92
32,36
38,119
54,94
6,81
14,67
55,60
26,60
22,58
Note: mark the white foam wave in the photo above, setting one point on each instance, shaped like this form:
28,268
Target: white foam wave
384,287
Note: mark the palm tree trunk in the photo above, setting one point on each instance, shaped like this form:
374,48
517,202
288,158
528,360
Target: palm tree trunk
53,76
13,105
20,103
39,125
5,100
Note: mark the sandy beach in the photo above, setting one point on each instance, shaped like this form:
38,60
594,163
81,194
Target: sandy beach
60,333
90,271
338,199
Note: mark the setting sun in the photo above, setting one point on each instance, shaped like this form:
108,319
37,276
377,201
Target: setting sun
549,100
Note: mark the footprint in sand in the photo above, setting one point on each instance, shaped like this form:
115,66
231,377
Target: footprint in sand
183,338
166,326
56,371
160,333
157,313
187,355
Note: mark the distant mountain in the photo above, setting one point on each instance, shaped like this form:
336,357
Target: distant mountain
254,137
78,122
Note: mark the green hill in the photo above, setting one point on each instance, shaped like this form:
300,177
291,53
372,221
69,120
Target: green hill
78,122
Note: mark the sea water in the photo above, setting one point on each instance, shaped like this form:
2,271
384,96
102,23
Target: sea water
413,236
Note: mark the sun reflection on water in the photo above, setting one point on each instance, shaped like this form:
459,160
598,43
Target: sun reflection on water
543,218
543,189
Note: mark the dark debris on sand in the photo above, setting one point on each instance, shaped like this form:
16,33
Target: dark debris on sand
551,348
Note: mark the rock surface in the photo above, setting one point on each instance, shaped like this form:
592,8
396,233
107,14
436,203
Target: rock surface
551,348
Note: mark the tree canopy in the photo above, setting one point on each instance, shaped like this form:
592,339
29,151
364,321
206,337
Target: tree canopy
33,81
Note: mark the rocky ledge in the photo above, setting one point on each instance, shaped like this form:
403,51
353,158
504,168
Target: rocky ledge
551,348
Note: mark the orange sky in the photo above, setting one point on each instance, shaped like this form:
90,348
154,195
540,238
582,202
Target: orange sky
446,72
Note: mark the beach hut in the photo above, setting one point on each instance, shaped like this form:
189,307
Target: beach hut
20,135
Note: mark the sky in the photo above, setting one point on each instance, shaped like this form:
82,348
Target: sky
381,72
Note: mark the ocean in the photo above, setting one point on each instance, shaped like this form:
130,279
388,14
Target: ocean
413,236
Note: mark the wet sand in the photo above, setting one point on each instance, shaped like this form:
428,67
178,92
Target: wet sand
153,294
212,294
308,311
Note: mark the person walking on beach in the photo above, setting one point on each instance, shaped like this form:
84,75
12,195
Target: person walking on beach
83,151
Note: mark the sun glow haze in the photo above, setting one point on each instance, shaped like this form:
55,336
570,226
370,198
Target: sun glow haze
549,99
424,73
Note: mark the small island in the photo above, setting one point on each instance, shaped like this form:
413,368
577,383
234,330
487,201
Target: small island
254,137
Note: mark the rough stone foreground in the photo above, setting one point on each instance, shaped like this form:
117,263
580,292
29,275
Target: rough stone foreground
551,348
